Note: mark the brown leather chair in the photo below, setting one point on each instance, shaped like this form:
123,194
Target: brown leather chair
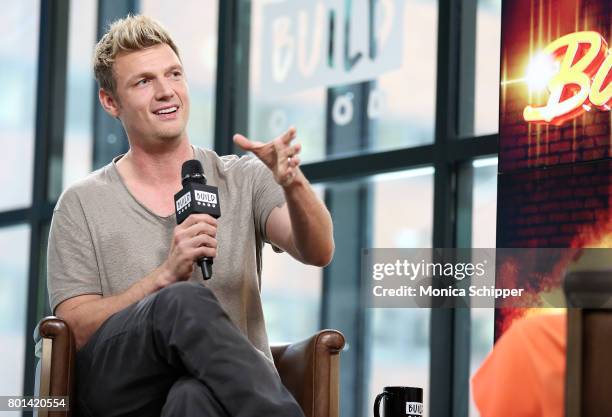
309,369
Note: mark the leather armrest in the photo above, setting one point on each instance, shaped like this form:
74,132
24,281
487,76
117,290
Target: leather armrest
588,289
57,358
310,371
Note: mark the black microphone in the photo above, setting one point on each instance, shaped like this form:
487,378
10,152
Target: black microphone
197,197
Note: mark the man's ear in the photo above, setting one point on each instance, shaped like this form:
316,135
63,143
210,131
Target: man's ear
109,102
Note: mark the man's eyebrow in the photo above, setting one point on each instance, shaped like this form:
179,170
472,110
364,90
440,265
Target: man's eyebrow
175,67
138,76
146,74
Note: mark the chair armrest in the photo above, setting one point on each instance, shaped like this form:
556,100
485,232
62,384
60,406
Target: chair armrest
310,371
55,346
588,289
589,334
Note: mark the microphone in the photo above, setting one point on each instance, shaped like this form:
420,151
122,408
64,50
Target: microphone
197,197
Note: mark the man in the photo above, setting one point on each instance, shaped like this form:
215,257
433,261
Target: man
147,340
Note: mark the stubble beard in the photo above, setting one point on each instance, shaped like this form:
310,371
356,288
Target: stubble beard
170,134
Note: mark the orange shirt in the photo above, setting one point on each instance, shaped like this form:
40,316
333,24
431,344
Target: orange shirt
524,374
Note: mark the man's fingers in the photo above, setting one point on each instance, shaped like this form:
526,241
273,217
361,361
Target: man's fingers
284,152
294,150
294,161
201,228
247,144
184,237
198,218
203,245
203,241
288,136
287,157
243,142
204,251
288,176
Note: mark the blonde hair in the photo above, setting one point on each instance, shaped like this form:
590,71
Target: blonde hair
132,33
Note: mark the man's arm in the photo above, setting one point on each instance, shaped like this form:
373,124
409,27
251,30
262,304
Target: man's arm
193,239
303,226
86,313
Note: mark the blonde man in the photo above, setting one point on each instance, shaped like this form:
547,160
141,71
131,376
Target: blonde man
151,337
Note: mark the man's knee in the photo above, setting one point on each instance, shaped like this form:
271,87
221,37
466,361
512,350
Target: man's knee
184,297
188,396
182,394
184,292
186,387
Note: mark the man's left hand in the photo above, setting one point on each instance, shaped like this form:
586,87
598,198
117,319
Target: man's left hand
278,155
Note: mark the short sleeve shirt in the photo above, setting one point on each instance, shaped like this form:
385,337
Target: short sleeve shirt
102,240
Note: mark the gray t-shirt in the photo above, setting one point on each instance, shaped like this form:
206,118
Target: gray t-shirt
102,239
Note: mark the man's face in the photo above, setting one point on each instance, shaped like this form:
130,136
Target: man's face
151,96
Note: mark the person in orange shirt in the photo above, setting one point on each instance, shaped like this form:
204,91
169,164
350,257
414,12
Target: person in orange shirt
524,374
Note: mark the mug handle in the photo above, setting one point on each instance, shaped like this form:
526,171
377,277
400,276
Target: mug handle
379,397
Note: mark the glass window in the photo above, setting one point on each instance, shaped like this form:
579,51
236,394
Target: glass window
294,66
408,95
193,26
399,341
19,56
488,40
271,116
484,203
484,208
80,88
43,309
14,247
291,295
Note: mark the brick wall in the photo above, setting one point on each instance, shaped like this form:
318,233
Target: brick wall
549,208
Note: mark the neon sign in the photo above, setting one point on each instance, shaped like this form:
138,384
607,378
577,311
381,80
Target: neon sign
581,81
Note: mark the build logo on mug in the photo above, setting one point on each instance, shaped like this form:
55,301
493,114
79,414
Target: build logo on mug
400,402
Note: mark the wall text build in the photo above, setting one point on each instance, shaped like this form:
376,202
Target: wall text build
329,42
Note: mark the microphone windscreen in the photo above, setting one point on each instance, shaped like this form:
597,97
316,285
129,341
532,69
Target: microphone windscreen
191,167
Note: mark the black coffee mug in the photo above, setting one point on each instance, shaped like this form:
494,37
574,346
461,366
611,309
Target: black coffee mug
400,402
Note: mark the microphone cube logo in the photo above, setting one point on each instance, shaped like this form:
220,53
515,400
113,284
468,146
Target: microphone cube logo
197,199
183,203
204,197
414,409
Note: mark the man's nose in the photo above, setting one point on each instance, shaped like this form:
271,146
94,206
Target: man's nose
163,90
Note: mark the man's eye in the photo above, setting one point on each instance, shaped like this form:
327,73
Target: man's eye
177,74
142,82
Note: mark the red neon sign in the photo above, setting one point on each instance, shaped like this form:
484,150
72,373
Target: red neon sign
582,80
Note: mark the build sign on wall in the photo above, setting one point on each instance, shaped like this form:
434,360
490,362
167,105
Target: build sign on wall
324,43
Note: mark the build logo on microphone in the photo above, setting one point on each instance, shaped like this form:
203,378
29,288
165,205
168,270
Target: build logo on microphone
205,198
414,409
183,203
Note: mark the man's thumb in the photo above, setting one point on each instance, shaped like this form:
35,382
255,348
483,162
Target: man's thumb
241,141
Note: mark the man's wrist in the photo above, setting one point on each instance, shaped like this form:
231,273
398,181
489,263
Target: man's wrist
298,182
162,277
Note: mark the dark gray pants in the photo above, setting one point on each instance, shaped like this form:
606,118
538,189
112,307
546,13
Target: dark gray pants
177,353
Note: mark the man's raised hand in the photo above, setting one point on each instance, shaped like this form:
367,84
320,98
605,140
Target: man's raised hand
279,155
